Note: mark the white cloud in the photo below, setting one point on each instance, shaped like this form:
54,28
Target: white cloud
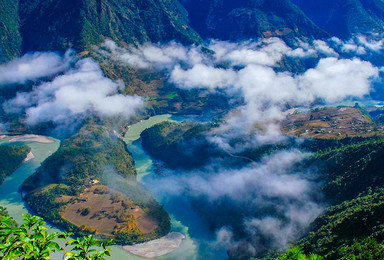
202,76
82,90
281,200
323,48
34,66
335,80
249,68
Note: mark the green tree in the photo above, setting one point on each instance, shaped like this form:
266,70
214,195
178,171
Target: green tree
31,240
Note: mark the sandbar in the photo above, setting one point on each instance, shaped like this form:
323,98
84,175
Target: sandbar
29,138
158,247
29,157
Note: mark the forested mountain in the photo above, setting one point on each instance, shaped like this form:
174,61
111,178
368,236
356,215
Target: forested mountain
58,25
10,39
29,25
236,20
343,18
247,148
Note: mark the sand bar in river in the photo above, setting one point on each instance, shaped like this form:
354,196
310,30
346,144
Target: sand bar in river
158,247
28,138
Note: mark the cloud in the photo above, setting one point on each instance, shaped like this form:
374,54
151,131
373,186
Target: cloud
202,76
148,56
250,68
80,91
336,79
280,201
323,48
34,66
359,45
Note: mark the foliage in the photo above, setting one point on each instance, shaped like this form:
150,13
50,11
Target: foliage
179,145
295,253
352,169
10,39
228,20
94,153
32,241
58,25
365,249
335,232
359,16
82,158
11,157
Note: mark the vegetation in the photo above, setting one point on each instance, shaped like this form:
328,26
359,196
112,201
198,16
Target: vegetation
227,20
353,183
11,157
346,227
294,253
179,146
93,158
83,158
359,16
31,240
10,39
352,169
59,25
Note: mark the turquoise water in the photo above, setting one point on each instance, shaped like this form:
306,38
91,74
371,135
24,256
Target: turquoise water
200,241
10,196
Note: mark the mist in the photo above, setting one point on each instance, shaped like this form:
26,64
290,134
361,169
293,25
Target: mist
33,66
80,90
276,199
254,69
271,201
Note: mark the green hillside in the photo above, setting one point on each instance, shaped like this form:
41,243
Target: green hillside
58,25
244,19
11,157
10,39
345,17
89,186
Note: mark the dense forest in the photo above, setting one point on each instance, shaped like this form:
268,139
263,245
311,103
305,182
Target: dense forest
11,157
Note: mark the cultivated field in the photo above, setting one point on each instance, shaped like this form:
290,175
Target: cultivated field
331,122
100,210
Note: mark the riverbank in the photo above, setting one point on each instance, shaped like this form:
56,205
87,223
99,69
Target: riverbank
28,138
158,247
29,157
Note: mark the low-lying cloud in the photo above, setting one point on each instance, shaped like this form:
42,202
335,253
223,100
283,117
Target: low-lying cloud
33,66
280,201
254,69
79,91
283,201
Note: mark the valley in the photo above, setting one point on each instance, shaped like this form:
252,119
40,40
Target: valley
180,129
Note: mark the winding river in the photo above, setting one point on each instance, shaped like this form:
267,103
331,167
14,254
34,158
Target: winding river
199,242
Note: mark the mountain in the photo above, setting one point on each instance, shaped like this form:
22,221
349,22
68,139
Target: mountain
343,18
244,19
10,38
28,25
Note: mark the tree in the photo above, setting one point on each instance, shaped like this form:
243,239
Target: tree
32,241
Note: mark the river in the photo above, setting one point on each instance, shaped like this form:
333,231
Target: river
199,242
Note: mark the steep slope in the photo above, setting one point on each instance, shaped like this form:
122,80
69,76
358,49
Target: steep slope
57,25
236,20
11,158
343,18
10,39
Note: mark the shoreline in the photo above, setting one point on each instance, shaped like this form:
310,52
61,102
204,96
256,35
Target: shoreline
28,138
158,247
29,157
